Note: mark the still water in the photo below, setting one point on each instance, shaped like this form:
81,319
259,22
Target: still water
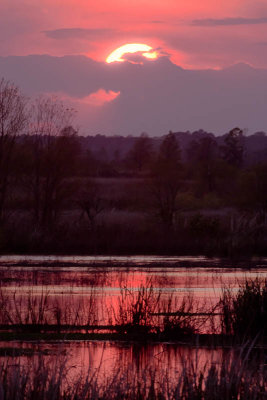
99,285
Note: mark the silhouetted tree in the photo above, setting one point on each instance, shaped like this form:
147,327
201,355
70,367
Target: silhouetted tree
166,177
202,155
233,149
140,155
13,118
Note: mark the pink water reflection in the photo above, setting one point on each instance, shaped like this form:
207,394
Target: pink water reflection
98,291
106,359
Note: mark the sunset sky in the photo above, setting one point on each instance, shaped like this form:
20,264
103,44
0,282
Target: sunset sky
198,34
191,34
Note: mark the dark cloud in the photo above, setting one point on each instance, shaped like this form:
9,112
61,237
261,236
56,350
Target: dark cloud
210,22
134,57
154,97
78,33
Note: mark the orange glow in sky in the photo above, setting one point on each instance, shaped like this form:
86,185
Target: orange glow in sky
193,34
101,97
117,55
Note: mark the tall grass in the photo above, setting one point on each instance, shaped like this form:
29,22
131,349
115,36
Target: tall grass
140,312
134,311
41,309
241,377
181,322
245,315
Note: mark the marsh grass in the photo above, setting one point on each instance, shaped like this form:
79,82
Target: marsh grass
136,309
136,312
141,313
43,309
181,322
241,377
245,315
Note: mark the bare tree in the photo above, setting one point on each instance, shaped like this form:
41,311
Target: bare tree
233,149
54,148
13,118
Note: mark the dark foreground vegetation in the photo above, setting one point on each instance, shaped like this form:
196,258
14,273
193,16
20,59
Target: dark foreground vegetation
143,315
243,377
237,323
182,193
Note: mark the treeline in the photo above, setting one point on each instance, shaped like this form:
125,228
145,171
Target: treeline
57,195
117,147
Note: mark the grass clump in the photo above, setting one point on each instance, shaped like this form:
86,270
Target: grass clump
245,315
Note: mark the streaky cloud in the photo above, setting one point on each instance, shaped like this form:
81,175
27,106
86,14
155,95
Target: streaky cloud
78,33
210,22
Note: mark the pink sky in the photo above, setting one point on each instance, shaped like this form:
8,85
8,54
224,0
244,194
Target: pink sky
158,95
196,34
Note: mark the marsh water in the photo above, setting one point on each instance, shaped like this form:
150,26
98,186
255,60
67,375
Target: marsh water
99,285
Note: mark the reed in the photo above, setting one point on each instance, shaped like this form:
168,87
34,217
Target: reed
139,313
240,377
244,315
41,309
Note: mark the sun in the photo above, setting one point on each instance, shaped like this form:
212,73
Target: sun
117,55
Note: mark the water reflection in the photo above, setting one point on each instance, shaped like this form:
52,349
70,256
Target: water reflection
96,292
109,357
82,290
